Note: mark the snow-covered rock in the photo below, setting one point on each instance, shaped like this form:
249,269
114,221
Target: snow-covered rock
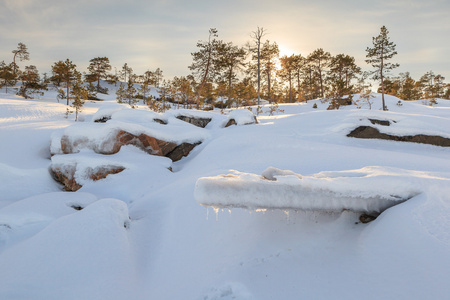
364,190
241,117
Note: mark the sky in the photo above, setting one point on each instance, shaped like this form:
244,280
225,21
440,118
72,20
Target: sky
147,34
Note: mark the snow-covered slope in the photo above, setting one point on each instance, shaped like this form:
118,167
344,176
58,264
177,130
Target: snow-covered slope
140,234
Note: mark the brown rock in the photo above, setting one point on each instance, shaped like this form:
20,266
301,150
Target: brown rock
144,142
367,132
199,122
231,122
102,172
66,176
181,151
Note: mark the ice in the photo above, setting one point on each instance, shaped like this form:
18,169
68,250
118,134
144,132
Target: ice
366,190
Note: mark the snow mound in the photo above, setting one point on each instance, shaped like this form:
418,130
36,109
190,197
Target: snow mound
371,189
242,117
91,241
18,183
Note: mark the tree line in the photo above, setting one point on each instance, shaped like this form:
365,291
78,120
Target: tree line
226,75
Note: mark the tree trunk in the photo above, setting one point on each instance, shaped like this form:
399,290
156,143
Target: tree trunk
67,95
382,81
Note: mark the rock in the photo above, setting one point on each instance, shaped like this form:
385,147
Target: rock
380,122
160,121
66,175
368,132
144,142
197,121
103,119
336,103
231,122
102,172
181,151
241,117
365,218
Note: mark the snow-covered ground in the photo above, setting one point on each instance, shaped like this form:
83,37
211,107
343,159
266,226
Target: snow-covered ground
140,234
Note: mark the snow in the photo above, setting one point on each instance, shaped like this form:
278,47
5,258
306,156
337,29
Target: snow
364,190
242,116
141,234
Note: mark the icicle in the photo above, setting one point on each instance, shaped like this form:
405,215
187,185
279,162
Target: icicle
216,210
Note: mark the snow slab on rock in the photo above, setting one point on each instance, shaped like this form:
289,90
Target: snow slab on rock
370,189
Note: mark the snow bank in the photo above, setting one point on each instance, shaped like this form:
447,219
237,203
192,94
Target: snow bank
18,183
77,256
365,190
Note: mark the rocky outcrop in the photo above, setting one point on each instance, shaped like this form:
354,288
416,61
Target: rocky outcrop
197,121
144,142
66,175
368,132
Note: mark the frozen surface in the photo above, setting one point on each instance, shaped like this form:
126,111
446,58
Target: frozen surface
364,190
140,234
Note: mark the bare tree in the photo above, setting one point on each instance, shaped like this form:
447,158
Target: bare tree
256,49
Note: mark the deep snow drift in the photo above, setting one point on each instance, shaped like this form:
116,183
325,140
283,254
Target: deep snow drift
140,234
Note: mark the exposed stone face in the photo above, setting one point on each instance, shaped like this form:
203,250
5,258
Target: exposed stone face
66,175
199,122
102,172
231,122
380,122
181,151
147,143
103,119
336,103
367,132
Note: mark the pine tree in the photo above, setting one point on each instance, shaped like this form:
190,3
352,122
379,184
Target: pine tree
79,94
378,56
7,76
320,60
342,70
58,69
21,53
64,71
203,62
98,69
269,56
127,95
230,60
158,76
298,63
31,84
126,70
256,49
287,72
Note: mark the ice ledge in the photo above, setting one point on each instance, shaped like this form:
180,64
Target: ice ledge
370,190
